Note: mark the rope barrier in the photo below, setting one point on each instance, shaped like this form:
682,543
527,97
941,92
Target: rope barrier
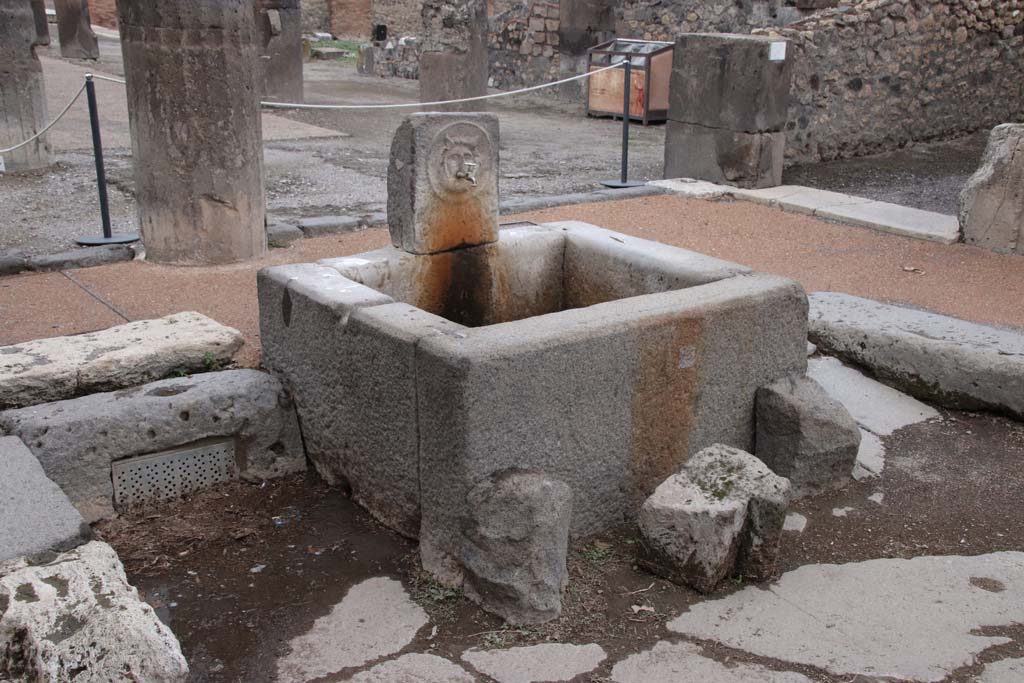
48,126
297,105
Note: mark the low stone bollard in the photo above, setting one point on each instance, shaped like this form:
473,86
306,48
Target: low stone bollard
992,203
454,61
514,555
22,97
728,103
805,435
77,41
721,515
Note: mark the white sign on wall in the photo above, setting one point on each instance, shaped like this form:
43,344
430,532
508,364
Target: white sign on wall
777,52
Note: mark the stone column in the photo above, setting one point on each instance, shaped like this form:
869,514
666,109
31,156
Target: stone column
454,61
42,22
22,99
193,76
77,41
728,104
279,27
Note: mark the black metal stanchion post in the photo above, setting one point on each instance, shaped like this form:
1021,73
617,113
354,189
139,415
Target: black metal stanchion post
623,180
101,176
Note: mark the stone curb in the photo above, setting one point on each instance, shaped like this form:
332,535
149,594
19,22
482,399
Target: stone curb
832,206
86,257
283,232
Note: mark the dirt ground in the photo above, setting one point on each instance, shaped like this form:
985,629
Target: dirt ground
238,571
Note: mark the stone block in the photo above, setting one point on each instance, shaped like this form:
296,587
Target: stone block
282,234
448,76
443,182
279,36
121,356
514,558
742,476
992,203
85,257
77,440
731,82
365,60
690,536
752,160
78,619
42,22
721,515
36,518
347,355
805,435
952,362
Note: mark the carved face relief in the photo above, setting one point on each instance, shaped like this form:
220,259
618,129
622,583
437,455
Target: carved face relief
460,159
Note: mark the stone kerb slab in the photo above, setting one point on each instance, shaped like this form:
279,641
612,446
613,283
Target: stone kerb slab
443,182
945,360
124,355
992,203
36,517
77,440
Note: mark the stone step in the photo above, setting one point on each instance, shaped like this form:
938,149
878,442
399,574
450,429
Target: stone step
126,355
36,517
945,360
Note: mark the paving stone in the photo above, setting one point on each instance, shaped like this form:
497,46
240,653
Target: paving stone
805,435
78,619
535,663
945,360
36,517
283,234
77,440
375,619
690,187
873,405
328,225
414,668
870,456
1004,671
678,662
795,522
798,199
845,618
125,355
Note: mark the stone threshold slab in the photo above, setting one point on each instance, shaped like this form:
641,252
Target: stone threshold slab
836,206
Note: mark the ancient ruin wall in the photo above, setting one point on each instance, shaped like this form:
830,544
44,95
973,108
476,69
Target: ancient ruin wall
881,73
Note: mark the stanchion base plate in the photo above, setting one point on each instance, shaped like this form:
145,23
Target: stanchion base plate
117,238
618,184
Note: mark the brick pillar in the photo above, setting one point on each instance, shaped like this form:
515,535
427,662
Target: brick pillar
22,98
77,41
728,102
454,61
192,73
279,27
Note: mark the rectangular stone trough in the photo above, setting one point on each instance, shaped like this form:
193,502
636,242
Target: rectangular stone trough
602,359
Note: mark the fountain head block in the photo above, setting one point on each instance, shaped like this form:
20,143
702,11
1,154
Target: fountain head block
443,182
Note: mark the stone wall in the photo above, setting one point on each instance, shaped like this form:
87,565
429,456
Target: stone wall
351,18
103,13
524,45
402,17
315,15
878,74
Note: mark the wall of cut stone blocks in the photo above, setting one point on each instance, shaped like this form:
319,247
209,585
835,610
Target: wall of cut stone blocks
103,13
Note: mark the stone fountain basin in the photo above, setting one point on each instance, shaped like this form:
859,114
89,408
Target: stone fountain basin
602,359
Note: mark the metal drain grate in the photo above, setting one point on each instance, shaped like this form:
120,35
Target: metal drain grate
171,474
